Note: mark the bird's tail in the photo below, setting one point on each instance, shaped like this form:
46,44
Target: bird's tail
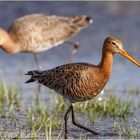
81,21
35,75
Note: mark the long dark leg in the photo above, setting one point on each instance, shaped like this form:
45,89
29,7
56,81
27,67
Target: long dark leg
39,68
76,47
66,119
79,125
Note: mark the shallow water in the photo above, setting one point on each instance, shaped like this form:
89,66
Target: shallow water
110,18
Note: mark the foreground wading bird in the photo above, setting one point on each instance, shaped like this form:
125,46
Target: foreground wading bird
39,32
81,81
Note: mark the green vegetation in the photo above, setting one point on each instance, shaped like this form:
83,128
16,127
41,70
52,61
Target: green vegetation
128,130
9,99
109,106
40,120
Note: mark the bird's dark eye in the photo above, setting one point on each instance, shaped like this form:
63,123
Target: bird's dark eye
113,43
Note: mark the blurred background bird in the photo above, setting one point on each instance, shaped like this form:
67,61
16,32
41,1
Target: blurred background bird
40,32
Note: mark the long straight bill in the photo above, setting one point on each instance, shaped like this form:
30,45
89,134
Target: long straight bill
126,55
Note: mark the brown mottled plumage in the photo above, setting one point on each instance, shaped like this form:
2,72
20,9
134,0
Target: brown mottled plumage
40,32
76,82
81,81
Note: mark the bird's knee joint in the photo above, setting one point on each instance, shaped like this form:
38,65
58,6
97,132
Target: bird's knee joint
77,45
74,122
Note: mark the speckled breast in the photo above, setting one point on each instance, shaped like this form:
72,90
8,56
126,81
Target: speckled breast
83,87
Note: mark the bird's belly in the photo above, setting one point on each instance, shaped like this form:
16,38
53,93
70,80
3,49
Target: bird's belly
81,92
78,95
44,46
41,48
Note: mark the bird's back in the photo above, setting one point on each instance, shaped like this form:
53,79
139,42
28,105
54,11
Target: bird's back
76,82
40,31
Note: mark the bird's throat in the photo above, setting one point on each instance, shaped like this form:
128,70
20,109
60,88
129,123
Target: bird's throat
106,62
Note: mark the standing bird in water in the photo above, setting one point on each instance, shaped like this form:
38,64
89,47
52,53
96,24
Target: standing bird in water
40,32
81,81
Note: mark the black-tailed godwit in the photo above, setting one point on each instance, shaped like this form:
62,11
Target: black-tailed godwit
40,32
81,81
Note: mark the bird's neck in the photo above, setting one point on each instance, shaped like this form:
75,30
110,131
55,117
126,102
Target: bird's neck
106,62
8,44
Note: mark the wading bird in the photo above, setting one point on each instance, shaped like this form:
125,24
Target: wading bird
40,32
81,81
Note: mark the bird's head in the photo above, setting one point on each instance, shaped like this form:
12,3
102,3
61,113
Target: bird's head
115,45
